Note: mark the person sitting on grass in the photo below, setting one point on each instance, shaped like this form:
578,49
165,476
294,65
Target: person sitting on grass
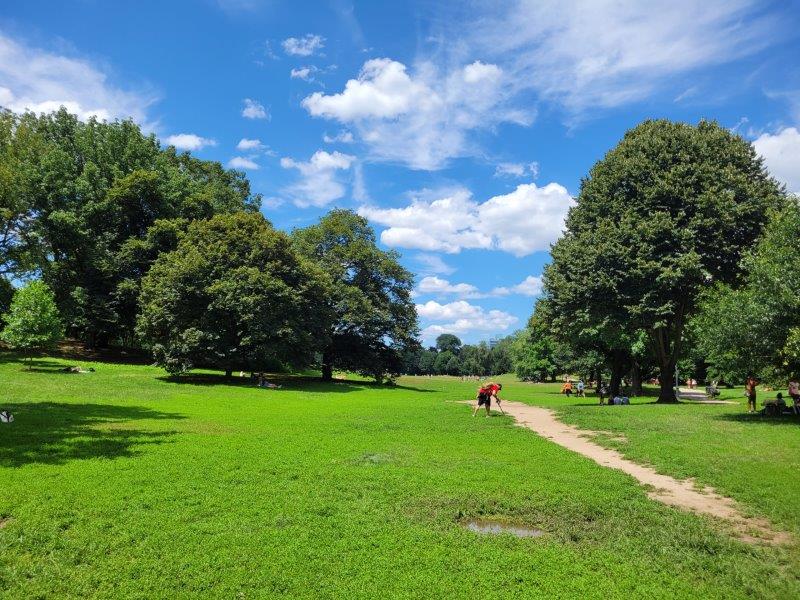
485,394
566,389
774,406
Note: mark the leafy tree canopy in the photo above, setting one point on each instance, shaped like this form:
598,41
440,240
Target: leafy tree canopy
233,295
32,323
664,215
73,194
374,318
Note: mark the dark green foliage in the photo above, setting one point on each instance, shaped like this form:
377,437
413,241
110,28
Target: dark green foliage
374,319
753,330
448,341
233,295
73,194
6,295
667,213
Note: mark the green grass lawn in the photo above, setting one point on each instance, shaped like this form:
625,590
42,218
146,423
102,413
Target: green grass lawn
122,483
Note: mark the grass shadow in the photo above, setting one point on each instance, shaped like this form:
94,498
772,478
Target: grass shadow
785,419
55,433
286,381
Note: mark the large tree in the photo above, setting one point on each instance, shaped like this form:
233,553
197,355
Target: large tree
233,295
753,330
74,193
448,341
374,317
662,216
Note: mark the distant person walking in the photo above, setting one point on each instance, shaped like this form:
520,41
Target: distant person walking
750,392
581,388
566,389
485,394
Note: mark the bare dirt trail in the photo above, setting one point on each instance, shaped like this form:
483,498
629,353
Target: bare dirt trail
680,494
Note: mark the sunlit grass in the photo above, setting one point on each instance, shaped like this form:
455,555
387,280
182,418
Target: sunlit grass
124,483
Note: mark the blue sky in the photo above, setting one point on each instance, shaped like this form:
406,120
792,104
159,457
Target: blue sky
461,130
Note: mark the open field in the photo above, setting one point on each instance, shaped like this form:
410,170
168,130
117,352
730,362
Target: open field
122,483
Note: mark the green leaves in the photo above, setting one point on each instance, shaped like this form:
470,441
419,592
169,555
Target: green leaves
369,296
232,295
33,322
667,213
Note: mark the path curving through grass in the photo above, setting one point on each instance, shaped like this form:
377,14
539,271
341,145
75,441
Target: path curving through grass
683,494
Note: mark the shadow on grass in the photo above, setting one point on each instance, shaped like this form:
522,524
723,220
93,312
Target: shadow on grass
786,419
287,382
54,433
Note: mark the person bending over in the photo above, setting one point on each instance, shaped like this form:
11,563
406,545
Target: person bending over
485,394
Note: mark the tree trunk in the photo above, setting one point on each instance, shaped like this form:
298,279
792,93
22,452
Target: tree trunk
667,356
617,368
636,379
228,373
327,365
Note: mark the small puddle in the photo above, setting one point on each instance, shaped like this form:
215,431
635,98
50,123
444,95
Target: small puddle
487,527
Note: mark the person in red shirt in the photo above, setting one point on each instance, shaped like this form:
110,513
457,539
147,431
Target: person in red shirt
485,394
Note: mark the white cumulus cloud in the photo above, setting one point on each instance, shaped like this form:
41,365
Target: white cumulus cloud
461,317
242,162
437,285
521,222
781,151
530,286
41,81
189,141
420,119
319,178
303,46
254,109
246,144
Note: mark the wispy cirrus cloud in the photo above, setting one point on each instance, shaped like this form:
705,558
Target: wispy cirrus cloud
306,45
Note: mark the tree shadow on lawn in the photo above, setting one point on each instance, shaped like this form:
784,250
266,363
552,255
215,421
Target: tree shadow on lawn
37,365
786,419
55,433
287,382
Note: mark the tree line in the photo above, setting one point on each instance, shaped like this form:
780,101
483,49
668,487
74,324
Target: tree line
680,251
139,245
450,357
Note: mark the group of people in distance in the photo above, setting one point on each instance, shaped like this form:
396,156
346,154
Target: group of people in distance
579,389
776,406
773,406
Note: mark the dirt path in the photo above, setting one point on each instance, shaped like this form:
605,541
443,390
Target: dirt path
681,494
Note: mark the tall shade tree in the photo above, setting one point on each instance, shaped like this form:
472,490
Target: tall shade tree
753,330
73,194
375,320
233,295
448,341
32,323
662,216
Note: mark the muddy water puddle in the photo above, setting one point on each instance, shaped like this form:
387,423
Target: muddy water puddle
488,527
